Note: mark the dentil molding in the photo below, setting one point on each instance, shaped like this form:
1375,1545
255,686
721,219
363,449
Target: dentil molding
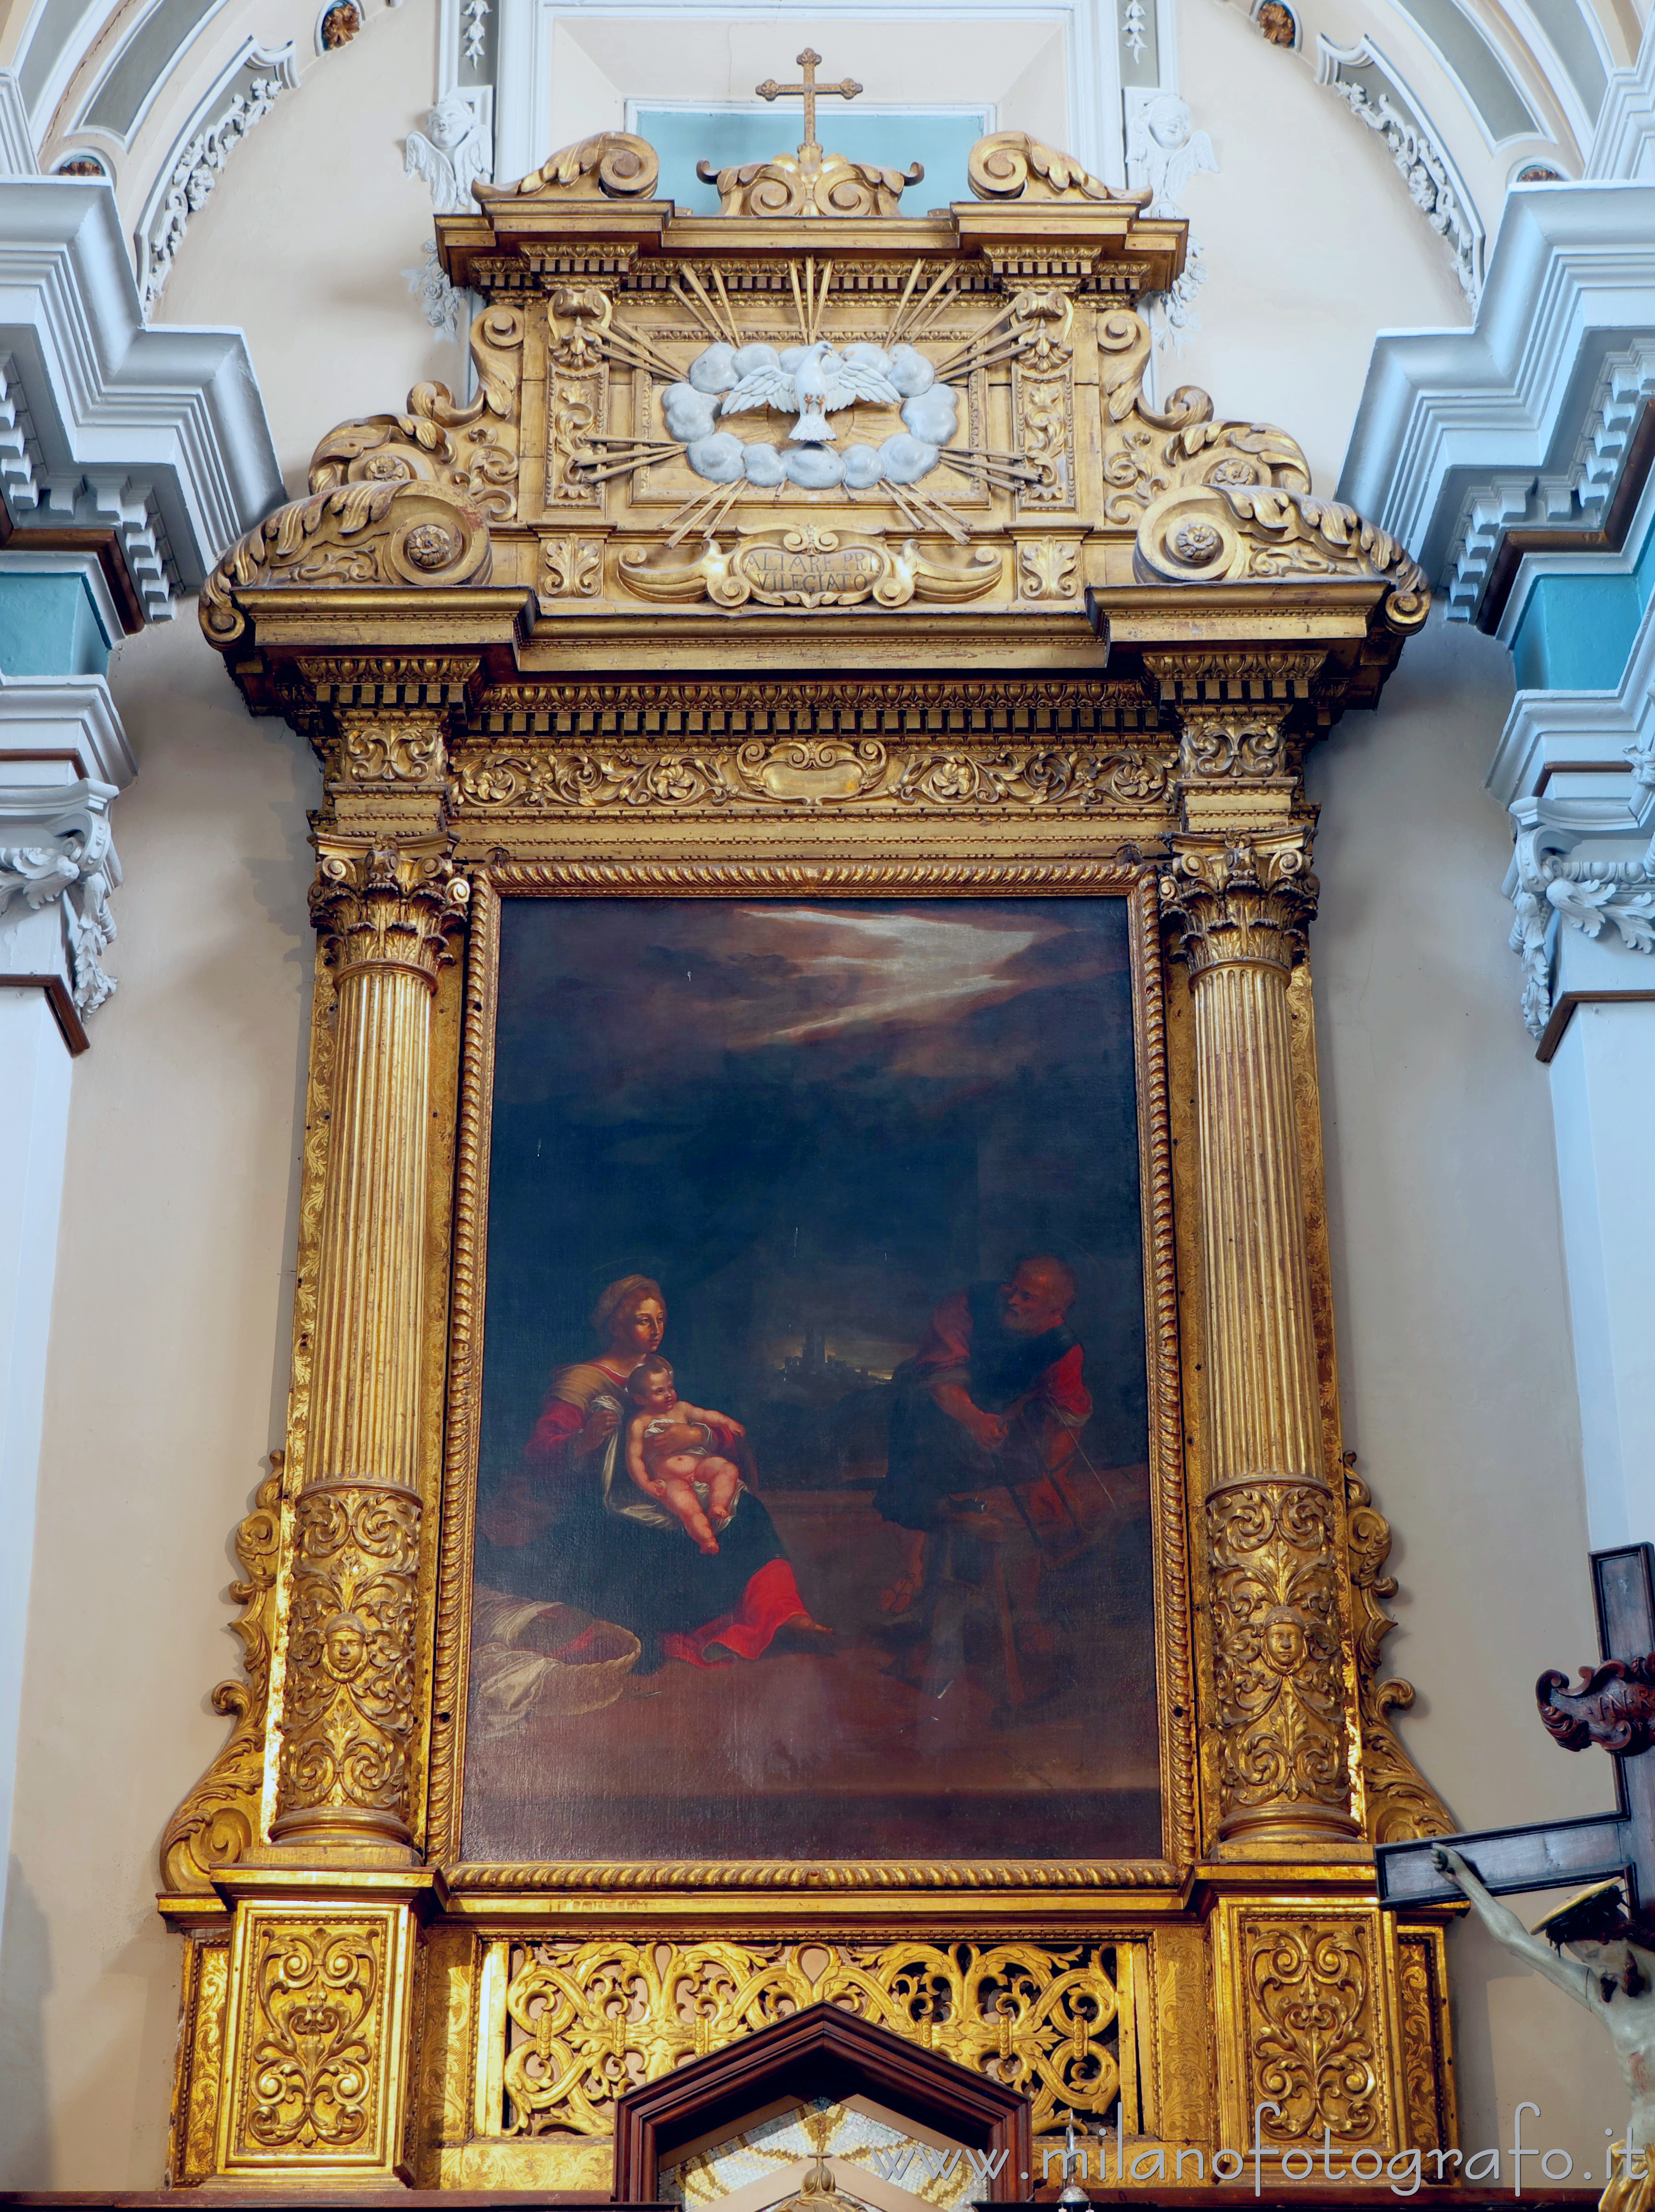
1525,419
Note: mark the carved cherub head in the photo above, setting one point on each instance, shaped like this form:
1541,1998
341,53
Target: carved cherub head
345,1646
1286,1644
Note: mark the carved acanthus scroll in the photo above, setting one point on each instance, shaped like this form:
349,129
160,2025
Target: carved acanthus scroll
471,450
1009,165
613,165
220,1818
367,533
1401,1804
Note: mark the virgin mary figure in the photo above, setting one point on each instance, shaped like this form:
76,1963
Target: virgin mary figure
565,1525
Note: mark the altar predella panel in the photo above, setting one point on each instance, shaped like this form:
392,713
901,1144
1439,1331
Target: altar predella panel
813,1471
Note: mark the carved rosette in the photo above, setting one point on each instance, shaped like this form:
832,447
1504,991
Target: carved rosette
350,1718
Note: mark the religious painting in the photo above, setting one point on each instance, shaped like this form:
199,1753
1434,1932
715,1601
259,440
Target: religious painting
813,1509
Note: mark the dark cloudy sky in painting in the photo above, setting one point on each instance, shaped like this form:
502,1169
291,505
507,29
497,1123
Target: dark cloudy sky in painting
798,1115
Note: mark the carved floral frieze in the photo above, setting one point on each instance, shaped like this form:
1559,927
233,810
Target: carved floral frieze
810,772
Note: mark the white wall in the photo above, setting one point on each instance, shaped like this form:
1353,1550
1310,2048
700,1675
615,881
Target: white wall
168,1375
1310,242
171,1311
1456,1364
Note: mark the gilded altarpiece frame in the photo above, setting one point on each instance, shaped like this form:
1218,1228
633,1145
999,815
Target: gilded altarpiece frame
547,650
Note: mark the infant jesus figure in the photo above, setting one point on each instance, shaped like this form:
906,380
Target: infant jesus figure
671,1456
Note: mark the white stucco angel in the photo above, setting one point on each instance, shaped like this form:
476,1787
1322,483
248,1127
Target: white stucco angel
1164,150
1612,1974
453,149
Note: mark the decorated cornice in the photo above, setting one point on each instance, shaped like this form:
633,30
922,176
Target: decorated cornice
153,441
875,442
1523,422
1470,445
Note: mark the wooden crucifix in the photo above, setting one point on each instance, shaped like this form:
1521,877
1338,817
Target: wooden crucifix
809,62
1614,1706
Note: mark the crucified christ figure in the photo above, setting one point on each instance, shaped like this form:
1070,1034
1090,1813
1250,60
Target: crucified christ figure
1612,1974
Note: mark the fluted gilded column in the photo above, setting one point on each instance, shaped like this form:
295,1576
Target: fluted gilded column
1239,898
386,913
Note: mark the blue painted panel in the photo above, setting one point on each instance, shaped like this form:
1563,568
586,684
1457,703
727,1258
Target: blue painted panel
684,136
48,627
1577,631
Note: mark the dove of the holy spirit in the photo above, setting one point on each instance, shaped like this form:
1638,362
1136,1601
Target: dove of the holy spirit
818,383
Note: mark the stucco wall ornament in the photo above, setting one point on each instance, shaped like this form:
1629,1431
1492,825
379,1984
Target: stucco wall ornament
1370,88
451,152
240,99
1164,152
70,856
1548,887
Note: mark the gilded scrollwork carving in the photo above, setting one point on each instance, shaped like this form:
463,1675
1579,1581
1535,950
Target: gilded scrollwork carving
391,749
202,2060
1402,1805
1314,2029
471,449
1046,568
587,2021
571,567
1149,452
1225,741
1427,2098
613,165
1009,165
1226,533
1277,1655
809,567
349,1721
313,2026
827,772
406,532
220,1818
1043,396
809,183
385,907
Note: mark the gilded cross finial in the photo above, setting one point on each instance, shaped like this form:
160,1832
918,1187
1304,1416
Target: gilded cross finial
809,62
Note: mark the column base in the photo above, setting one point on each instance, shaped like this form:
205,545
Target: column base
304,2086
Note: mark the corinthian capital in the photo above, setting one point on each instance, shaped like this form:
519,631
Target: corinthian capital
385,907
1229,902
